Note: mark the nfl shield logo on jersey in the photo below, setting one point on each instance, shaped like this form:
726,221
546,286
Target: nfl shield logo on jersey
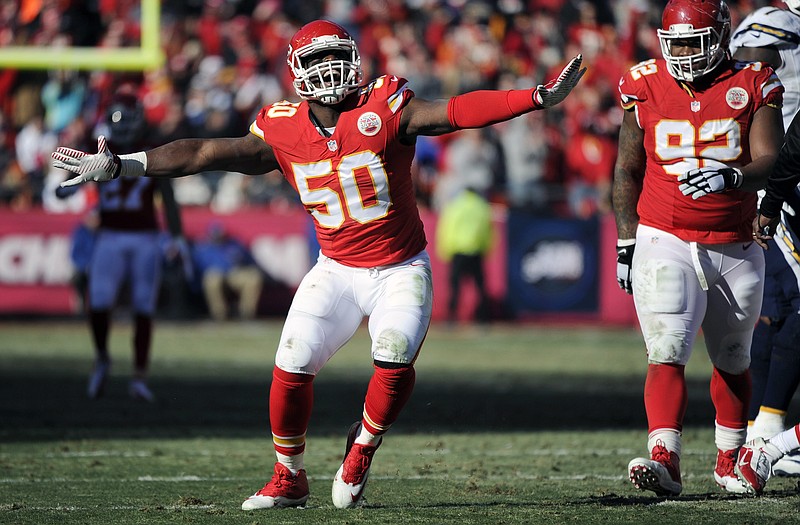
695,106
332,145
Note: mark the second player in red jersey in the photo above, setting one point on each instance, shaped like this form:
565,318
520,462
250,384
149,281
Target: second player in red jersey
688,126
699,136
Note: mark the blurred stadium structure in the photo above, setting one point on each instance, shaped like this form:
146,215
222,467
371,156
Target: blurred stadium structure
147,56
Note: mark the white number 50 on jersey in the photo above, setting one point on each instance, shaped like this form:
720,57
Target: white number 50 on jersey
336,209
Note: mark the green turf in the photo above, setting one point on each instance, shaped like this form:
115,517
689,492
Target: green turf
524,424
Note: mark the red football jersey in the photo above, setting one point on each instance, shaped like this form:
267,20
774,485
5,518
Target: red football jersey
686,129
356,183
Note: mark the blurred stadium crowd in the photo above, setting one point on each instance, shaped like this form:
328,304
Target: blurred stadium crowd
225,59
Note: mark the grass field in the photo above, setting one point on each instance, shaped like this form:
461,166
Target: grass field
525,424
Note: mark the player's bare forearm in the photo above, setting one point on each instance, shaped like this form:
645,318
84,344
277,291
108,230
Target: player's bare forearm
624,198
756,173
766,138
767,54
628,174
249,155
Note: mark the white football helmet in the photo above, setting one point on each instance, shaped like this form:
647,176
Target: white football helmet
324,62
793,5
704,23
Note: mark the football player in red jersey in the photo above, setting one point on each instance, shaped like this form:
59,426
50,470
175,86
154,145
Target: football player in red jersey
699,137
347,149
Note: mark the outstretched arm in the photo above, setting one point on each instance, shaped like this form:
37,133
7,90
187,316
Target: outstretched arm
768,54
478,109
248,154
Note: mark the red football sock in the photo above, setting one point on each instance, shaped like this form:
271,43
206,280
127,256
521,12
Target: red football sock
731,395
665,396
387,394
291,398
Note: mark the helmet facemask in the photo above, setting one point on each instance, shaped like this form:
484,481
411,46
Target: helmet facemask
691,67
327,70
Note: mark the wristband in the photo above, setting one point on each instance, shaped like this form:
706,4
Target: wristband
133,164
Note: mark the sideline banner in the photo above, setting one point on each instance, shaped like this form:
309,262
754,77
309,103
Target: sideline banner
35,265
536,265
552,264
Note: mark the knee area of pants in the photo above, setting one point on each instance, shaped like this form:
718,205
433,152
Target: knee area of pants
666,346
391,346
297,356
733,359
213,277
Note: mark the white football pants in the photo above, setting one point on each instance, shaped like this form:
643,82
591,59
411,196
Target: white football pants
333,299
680,287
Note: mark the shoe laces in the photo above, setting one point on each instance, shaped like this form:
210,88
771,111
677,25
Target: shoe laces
283,478
281,481
726,459
661,455
357,463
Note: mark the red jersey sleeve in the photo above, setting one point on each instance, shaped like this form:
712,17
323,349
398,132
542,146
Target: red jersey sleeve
631,90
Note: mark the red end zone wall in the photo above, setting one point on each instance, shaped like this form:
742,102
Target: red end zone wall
35,266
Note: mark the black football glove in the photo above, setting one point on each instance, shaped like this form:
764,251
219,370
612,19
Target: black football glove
549,94
702,181
624,263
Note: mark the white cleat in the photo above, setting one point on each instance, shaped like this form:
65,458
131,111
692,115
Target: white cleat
724,473
660,474
351,478
754,465
787,466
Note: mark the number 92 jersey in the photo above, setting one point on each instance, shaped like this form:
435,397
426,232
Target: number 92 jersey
686,128
355,183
